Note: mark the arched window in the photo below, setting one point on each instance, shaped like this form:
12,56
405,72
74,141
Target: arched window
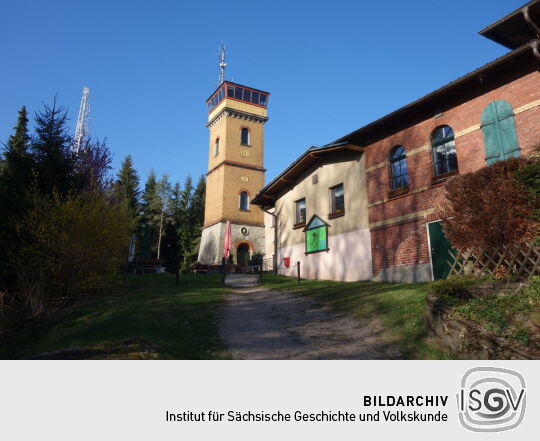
443,148
499,131
398,168
244,200
216,147
244,137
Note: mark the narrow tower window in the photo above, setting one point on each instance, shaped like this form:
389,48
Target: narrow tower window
216,147
244,137
244,201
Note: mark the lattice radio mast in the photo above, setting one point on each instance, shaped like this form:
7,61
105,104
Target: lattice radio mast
81,131
222,64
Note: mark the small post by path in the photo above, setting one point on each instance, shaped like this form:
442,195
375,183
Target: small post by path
298,271
223,270
177,267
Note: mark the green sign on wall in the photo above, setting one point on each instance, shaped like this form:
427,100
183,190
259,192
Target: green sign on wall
316,235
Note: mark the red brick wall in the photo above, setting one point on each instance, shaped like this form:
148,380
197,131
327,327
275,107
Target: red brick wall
405,243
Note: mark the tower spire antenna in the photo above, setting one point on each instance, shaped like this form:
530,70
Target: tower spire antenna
222,64
81,131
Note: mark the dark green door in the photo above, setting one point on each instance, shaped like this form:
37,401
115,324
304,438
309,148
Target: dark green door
439,250
242,253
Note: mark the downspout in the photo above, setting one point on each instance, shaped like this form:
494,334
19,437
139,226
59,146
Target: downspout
275,216
535,27
536,48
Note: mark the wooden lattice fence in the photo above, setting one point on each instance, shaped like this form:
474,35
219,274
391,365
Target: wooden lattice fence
517,260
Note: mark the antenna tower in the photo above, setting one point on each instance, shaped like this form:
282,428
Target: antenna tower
81,131
222,64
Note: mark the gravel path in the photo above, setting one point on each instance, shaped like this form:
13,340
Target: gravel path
265,325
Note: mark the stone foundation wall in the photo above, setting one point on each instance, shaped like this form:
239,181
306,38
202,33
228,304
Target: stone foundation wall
213,237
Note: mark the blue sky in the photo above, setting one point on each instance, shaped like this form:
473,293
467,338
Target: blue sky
331,67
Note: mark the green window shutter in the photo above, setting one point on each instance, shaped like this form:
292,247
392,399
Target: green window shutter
499,132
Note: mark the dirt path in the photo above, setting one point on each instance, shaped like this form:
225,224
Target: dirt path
259,324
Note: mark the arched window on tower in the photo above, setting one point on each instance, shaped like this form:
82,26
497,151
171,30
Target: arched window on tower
216,147
244,201
244,137
398,168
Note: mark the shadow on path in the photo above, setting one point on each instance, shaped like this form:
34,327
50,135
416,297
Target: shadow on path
263,325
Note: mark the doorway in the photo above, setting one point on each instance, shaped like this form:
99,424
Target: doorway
439,246
242,254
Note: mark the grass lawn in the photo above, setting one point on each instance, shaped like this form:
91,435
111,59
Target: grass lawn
160,320
399,307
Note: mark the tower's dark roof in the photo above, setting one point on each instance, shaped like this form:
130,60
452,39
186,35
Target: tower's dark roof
236,84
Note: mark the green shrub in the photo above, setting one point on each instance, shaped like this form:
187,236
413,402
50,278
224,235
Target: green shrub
498,313
532,289
454,287
69,246
256,258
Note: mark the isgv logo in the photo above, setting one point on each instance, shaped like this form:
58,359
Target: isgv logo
491,399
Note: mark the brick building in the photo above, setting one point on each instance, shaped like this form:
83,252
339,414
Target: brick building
405,158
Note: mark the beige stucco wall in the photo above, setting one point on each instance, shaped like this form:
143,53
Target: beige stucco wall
349,255
228,130
347,169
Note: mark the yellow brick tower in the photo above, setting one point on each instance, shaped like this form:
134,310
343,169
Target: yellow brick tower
236,117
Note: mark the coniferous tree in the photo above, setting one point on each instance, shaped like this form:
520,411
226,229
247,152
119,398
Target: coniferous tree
197,205
127,186
15,178
170,248
148,214
51,150
149,193
16,172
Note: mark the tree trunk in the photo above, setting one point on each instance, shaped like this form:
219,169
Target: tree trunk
160,234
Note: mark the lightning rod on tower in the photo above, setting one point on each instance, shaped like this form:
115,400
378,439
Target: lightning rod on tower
222,64
81,131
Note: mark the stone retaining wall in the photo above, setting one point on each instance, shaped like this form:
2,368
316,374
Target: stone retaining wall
468,340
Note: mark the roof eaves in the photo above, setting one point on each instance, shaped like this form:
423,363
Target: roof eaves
296,162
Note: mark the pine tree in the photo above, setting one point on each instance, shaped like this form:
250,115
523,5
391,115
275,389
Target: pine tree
51,150
197,204
127,186
148,214
149,193
16,172
15,179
